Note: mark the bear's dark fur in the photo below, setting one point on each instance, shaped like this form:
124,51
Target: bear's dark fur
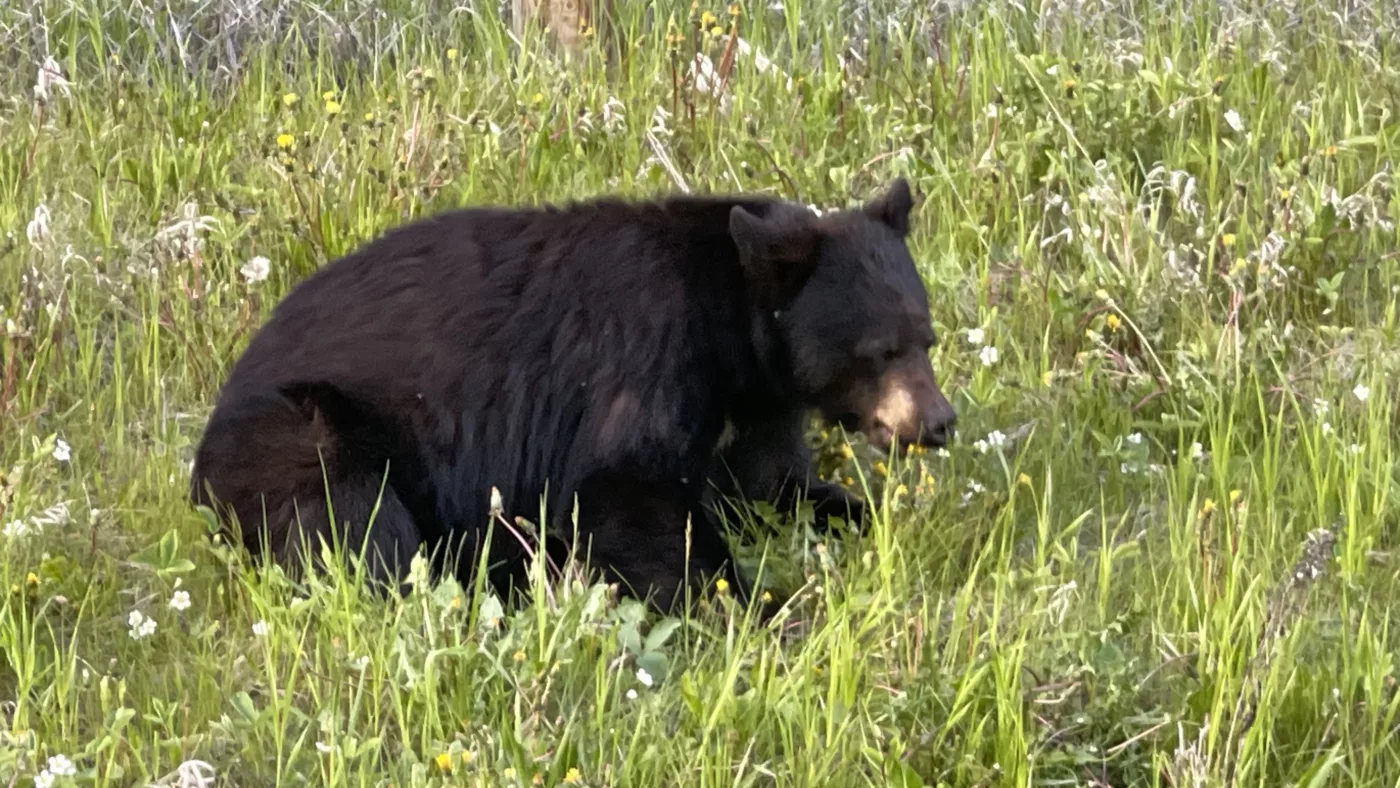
632,358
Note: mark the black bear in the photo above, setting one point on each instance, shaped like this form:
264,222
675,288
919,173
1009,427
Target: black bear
631,359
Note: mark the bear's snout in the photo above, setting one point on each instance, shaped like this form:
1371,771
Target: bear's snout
911,410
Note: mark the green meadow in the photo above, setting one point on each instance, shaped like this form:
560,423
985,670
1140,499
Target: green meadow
1161,250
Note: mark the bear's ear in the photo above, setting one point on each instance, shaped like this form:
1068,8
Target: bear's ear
777,254
893,206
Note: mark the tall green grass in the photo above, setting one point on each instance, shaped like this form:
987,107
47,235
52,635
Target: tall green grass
1162,553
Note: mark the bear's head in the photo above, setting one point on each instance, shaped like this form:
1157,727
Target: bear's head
851,314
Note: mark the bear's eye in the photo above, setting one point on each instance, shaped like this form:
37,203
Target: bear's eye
890,354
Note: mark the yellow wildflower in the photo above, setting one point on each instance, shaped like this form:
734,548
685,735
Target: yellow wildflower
1227,240
733,9
572,776
1023,479
721,585
32,579
847,451
332,107
285,140
288,99
707,19
1112,321
444,761
880,468
452,54
328,95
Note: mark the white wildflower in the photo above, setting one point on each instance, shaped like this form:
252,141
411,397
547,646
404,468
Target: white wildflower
981,446
37,231
1135,439
1320,406
614,116
1197,451
1362,392
631,694
644,677
62,451
180,600
989,355
141,626
260,629
50,76
60,766
43,779
1234,120
323,748
256,269
976,336
996,439
14,529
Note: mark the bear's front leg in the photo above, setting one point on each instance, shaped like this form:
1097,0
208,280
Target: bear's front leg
768,460
654,538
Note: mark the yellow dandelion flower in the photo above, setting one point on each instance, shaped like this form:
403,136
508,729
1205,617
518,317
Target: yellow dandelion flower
733,9
707,19
1207,507
289,99
572,776
1284,194
1235,497
468,756
1227,240
1113,321
369,117
518,656
508,773
1331,150
332,107
1023,479
847,451
32,579
444,761
285,140
328,95
767,596
901,490
880,468
537,98
721,585
455,603
537,779
1070,84
1047,377
716,31
14,588
452,54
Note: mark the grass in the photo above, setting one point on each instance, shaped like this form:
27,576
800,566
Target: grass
1162,553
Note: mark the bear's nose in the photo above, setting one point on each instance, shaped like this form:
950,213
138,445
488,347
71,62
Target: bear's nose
939,426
